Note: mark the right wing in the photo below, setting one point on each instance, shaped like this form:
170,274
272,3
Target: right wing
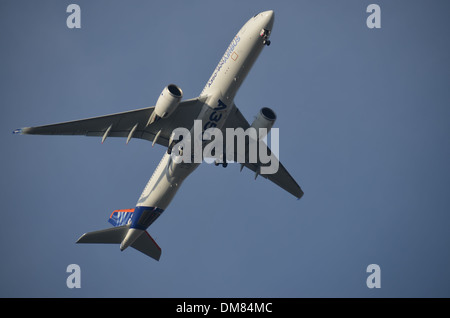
132,123
281,177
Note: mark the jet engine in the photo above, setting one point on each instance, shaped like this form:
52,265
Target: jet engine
265,119
167,102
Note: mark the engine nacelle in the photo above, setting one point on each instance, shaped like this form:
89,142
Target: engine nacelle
167,102
265,119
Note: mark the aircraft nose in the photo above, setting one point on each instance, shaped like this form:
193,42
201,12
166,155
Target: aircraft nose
269,17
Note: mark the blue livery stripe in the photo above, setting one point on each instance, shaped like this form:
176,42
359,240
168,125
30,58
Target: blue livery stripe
120,217
144,216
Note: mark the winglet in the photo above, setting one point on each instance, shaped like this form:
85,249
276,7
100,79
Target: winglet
17,131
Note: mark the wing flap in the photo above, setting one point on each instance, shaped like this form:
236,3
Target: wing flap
281,178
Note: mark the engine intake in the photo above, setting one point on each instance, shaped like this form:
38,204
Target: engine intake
265,119
167,102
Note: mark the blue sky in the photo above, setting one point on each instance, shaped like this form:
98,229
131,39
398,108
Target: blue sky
364,129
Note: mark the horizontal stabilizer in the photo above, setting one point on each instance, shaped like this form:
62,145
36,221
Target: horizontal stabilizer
112,235
145,244
115,235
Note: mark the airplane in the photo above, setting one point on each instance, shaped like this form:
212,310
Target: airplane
214,106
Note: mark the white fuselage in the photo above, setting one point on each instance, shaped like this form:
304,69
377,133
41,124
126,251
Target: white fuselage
218,93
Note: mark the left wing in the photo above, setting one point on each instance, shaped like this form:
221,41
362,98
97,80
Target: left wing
131,124
282,178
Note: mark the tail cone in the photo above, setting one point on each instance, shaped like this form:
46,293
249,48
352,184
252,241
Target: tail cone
130,238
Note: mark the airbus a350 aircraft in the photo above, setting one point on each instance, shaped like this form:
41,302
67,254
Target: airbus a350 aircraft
214,107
